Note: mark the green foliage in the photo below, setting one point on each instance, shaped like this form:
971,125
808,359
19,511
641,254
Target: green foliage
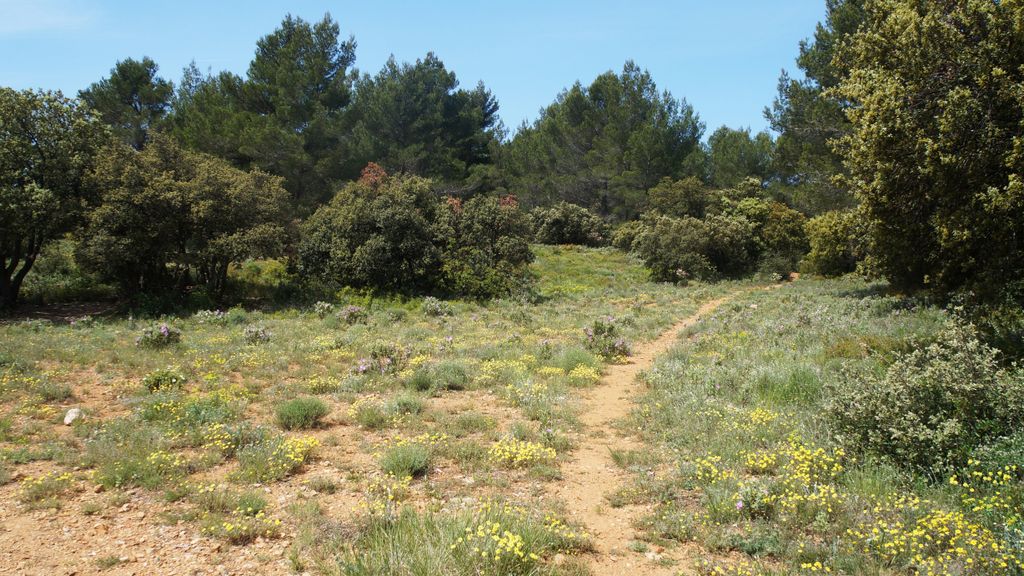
413,119
374,234
566,223
285,116
46,151
132,101
680,249
933,406
601,146
734,155
301,413
678,198
391,233
158,336
406,460
169,216
436,308
625,235
838,241
602,337
487,250
163,380
808,118
935,152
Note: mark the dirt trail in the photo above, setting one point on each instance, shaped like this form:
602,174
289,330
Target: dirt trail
592,474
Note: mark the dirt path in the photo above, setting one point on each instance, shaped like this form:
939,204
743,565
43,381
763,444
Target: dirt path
592,474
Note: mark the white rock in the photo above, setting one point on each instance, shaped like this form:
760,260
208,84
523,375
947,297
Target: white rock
72,415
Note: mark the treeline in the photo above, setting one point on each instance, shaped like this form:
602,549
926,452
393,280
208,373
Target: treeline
897,153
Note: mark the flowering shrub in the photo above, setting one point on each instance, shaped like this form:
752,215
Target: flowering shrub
353,314
256,334
933,406
46,487
515,453
323,309
385,494
241,527
163,379
602,337
215,317
385,358
158,336
433,307
274,458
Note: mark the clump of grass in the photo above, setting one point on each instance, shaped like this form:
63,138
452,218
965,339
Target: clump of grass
120,451
450,375
370,414
406,460
421,380
322,484
406,404
51,391
301,413
471,422
108,562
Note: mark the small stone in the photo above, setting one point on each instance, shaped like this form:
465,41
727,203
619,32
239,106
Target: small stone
72,415
98,488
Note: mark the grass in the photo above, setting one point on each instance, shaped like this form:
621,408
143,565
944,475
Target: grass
301,413
245,409
757,469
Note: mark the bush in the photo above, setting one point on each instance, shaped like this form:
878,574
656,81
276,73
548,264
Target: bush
377,234
433,307
323,309
625,235
603,338
301,413
163,379
392,233
158,336
680,249
488,251
566,223
933,406
353,314
256,334
838,241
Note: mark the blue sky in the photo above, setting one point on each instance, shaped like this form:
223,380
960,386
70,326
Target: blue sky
723,57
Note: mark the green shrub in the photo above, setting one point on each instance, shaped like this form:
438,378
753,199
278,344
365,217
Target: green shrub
158,336
323,309
933,406
487,250
838,241
566,223
625,235
433,307
406,460
602,337
353,314
301,413
163,379
377,234
450,375
421,380
256,334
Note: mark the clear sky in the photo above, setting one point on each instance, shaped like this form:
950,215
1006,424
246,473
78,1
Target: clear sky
724,57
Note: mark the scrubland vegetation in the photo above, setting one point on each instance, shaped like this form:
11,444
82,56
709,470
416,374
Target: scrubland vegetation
341,323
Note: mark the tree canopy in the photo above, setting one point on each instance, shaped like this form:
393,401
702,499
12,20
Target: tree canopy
602,146
47,146
133,100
